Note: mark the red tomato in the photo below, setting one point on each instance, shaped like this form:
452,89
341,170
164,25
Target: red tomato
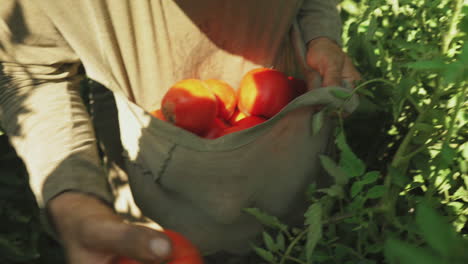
158,114
244,123
299,86
226,97
124,260
264,92
216,129
238,115
189,104
183,251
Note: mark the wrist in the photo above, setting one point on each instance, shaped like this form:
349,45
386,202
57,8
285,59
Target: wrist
70,209
321,40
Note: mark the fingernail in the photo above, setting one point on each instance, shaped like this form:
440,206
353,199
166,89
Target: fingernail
160,247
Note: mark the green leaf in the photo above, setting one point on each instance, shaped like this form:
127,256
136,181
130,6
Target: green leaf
313,219
269,242
334,170
340,93
317,122
264,254
376,191
349,162
334,191
356,188
266,219
435,230
280,242
370,177
437,64
403,253
446,157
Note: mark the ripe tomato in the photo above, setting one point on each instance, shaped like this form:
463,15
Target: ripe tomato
238,115
264,92
244,123
299,86
183,251
125,260
226,97
216,129
158,114
189,104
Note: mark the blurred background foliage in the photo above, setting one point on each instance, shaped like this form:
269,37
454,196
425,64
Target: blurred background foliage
401,188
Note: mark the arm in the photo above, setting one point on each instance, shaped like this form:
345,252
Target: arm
47,123
320,24
319,18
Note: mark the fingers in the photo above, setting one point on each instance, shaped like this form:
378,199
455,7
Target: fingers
136,242
327,58
350,73
332,74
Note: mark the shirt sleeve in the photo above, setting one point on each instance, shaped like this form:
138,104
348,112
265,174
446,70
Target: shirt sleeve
40,106
320,18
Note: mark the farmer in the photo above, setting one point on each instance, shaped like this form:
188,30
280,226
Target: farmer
137,49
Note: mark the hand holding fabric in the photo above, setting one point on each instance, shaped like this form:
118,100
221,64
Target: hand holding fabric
329,60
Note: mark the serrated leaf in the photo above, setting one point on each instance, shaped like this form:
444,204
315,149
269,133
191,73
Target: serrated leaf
437,232
356,188
376,191
436,64
446,157
266,219
403,253
349,162
269,242
340,94
264,254
333,191
313,220
280,242
334,170
370,177
317,122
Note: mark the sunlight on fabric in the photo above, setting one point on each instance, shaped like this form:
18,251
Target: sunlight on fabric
130,126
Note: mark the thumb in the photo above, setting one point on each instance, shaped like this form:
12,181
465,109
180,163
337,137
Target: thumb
123,239
332,74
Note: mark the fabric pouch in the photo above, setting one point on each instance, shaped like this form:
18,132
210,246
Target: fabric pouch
200,186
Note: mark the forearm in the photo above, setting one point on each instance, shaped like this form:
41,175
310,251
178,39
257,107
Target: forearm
319,18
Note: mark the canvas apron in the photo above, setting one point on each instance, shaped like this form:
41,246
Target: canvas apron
201,186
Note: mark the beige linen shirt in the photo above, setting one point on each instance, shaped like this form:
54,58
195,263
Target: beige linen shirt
137,49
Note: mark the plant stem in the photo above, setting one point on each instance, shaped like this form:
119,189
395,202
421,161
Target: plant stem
292,245
295,260
450,131
452,31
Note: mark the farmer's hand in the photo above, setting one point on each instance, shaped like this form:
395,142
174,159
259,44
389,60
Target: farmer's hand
92,233
329,60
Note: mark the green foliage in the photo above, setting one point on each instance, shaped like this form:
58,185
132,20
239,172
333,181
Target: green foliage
22,238
401,185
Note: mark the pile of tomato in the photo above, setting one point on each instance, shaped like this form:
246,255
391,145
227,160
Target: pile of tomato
212,108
